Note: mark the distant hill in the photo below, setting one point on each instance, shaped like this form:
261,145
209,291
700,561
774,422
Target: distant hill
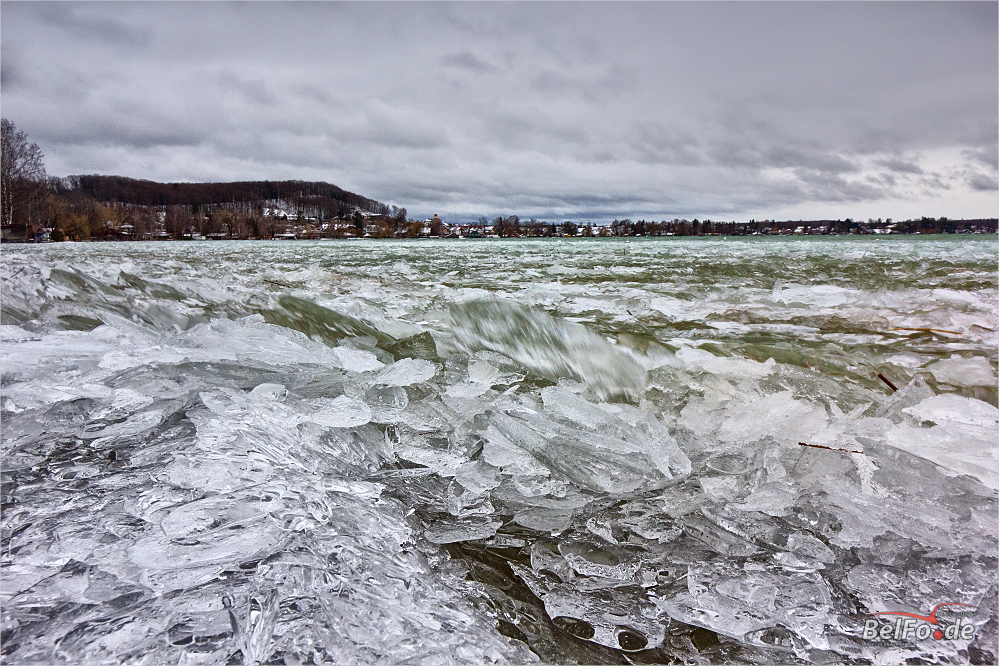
315,198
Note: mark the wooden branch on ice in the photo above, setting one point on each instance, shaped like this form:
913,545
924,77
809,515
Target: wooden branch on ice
927,330
886,381
827,448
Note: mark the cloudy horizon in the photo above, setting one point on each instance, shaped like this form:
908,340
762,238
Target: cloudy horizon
552,110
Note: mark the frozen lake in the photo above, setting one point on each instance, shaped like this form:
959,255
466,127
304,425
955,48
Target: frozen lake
567,451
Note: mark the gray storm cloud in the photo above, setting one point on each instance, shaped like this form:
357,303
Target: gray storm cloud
588,110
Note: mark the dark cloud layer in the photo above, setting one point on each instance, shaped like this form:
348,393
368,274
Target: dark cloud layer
467,60
106,29
556,110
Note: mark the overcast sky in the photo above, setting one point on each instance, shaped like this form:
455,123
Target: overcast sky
558,111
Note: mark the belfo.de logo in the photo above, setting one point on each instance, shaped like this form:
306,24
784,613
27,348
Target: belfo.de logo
907,626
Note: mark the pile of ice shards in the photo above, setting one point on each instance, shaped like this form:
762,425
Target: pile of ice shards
291,483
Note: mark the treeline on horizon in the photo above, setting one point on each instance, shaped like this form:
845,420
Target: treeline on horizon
514,226
36,206
116,207
95,207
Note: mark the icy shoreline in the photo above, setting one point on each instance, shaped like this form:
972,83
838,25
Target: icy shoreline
557,452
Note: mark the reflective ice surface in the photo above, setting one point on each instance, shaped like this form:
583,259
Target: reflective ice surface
482,451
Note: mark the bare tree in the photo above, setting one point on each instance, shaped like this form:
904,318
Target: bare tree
23,175
176,221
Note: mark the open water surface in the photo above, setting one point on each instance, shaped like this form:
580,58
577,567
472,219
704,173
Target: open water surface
585,451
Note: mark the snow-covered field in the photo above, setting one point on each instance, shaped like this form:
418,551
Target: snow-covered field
579,451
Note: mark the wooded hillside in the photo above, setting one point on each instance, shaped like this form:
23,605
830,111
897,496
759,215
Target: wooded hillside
316,199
